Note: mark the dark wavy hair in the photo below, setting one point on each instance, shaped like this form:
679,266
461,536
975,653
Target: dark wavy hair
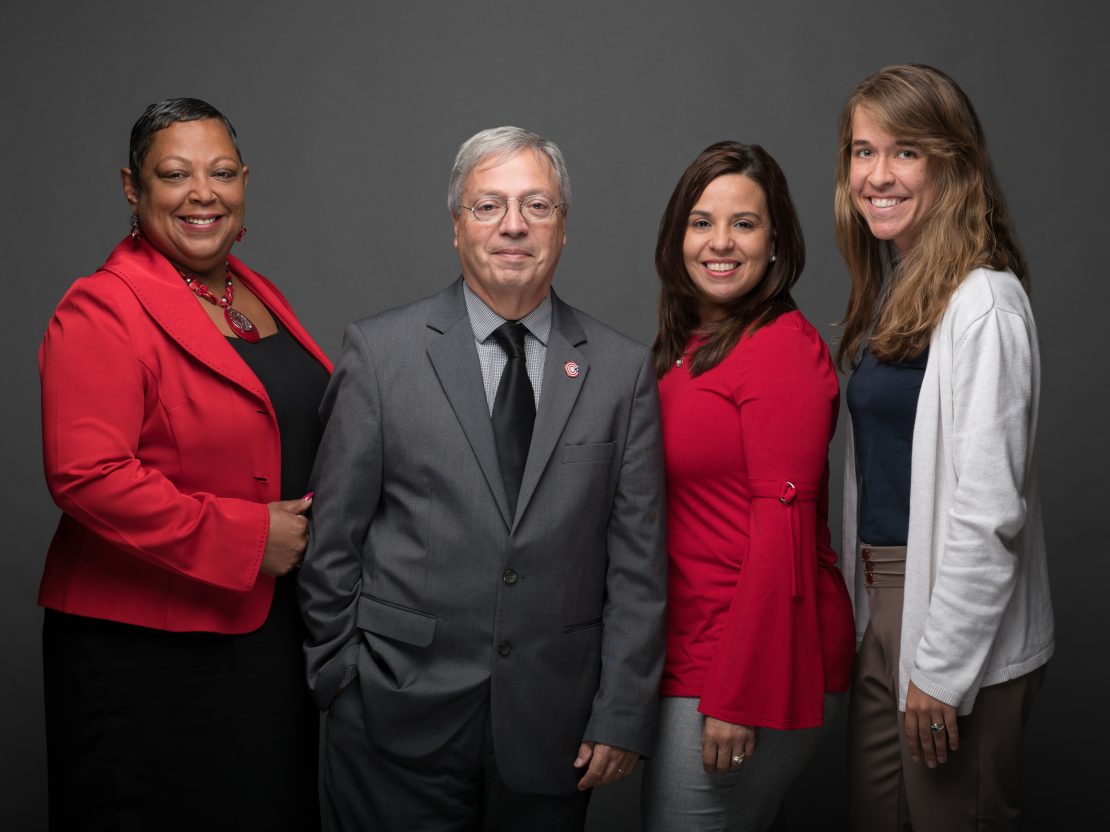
678,301
159,116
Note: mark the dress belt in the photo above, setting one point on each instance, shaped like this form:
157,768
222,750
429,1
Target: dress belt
789,493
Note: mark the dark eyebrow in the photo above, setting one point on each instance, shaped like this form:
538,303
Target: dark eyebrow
182,160
899,142
752,214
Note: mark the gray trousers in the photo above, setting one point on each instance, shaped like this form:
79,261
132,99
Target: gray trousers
679,796
456,789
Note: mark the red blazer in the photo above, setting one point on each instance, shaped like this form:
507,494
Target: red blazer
161,448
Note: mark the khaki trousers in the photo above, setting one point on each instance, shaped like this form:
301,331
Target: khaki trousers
979,788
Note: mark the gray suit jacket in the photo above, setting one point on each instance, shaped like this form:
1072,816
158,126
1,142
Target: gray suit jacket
417,576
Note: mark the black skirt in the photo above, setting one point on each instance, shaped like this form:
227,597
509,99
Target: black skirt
150,730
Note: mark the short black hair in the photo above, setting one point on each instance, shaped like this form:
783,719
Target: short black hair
159,116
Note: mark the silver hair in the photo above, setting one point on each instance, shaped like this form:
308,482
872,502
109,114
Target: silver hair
503,142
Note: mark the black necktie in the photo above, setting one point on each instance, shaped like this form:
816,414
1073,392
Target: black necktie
514,410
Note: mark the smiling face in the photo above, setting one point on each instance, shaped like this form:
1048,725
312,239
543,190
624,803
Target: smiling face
728,243
510,264
890,182
191,200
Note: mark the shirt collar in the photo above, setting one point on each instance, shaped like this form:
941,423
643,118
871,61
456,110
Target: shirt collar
484,320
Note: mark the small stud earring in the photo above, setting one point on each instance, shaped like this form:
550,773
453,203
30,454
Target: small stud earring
242,233
136,229
773,257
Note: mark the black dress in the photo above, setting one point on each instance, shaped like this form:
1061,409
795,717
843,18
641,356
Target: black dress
154,730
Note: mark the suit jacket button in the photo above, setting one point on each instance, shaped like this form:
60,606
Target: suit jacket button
510,576
504,649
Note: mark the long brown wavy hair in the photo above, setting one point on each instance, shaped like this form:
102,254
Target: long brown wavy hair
679,314
968,225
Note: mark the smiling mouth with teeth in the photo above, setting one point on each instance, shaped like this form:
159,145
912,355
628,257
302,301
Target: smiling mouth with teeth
197,221
888,202
722,267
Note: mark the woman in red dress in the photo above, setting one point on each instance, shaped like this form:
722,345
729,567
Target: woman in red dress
759,633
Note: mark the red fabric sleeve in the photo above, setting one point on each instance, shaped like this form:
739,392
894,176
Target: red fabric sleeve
768,667
97,400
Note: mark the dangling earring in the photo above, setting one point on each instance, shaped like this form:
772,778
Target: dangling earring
136,229
242,233
773,257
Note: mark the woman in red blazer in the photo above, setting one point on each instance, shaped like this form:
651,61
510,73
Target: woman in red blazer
759,630
179,397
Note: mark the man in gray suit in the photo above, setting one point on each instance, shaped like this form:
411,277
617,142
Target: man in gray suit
484,587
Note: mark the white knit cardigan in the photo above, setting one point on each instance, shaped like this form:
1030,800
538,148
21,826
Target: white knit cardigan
977,608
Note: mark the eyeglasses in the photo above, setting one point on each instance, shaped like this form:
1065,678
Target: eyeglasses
532,208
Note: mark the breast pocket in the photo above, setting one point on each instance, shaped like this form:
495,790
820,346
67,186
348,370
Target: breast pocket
590,452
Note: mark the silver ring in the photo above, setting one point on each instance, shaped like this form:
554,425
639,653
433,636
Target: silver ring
620,771
738,759
936,727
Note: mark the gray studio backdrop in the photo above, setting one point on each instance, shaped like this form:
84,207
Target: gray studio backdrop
349,116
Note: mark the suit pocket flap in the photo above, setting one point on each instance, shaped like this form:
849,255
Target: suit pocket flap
591,452
392,621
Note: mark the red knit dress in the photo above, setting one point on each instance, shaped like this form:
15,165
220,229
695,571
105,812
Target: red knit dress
759,623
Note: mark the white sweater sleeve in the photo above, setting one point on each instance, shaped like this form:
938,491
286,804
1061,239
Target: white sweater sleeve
992,418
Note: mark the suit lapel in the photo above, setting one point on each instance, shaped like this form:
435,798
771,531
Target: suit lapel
455,361
557,396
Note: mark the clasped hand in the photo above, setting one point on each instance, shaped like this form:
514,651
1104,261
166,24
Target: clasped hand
288,536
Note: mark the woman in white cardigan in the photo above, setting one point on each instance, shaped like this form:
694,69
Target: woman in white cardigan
943,547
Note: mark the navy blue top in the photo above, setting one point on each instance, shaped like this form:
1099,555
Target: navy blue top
882,399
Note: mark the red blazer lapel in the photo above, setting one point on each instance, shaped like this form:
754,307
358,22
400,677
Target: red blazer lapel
168,300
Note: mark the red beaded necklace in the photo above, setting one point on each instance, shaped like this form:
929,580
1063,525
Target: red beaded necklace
240,324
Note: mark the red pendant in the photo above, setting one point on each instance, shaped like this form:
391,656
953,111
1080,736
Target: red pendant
241,325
